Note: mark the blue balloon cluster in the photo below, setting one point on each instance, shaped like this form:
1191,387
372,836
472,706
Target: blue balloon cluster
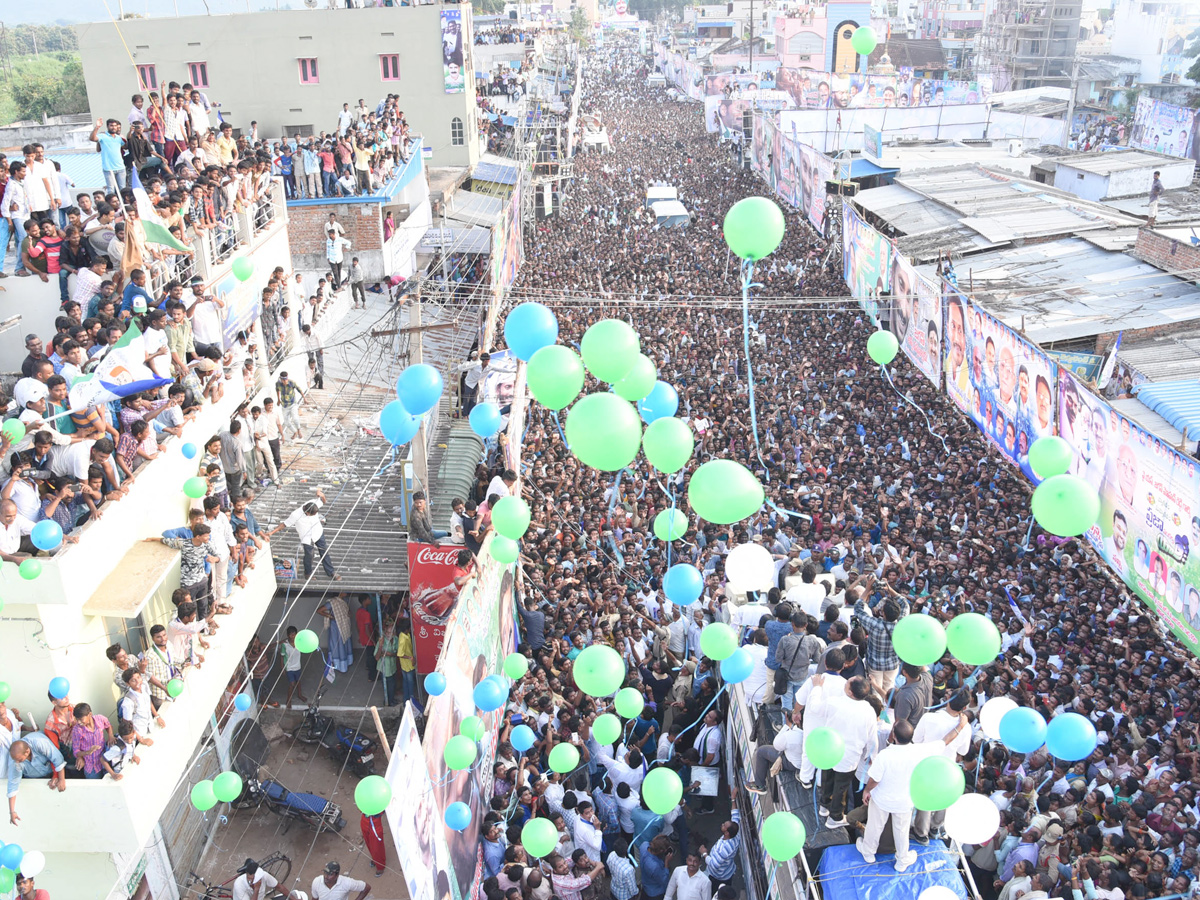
46,534
398,425
490,694
242,702
683,584
1023,730
528,328
419,388
662,402
189,450
435,684
11,856
738,666
522,738
457,816
1070,736
485,419
59,687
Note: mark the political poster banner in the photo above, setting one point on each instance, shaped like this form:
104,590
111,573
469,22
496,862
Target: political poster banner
866,260
1165,128
1149,521
431,572
1085,365
453,52
1001,381
243,305
915,318
827,90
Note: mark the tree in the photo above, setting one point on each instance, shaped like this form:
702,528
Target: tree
579,28
36,96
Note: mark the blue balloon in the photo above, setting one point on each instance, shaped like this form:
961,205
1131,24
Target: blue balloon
528,328
11,856
1022,730
59,687
1070,737
458,816
189,450
489,696
242,702
398,425
661,403
683,584
522,738
435,684
738,666
46,535
419,388
485,419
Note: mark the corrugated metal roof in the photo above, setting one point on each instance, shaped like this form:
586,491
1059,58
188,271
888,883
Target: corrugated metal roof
1117,161
495,170
470,208
82,168
1070,289
1136,411
1176,401
1167,357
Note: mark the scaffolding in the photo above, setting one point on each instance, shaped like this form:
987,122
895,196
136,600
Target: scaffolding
1029,43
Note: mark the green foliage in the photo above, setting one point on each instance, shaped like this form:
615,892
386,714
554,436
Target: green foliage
1193,73
578,27
50,84
24,39
488,7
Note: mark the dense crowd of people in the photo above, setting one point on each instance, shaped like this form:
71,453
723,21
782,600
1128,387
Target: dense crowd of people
869,520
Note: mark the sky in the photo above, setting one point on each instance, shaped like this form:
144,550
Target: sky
64,12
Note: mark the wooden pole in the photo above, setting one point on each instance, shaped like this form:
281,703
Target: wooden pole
383,741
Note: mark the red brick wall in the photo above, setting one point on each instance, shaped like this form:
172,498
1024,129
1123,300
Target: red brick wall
1168,254
363,224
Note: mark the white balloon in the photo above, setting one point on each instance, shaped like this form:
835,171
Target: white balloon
32,863
749,567
938,892
972,819
991,713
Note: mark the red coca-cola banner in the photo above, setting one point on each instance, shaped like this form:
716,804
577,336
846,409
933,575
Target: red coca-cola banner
431,573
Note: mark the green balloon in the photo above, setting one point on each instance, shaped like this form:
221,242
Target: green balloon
972,638
670,525
864,40
606,729
629,703
14,430
782,836
372,795
723,492
30,569
882,347
604,432
539,837
195,487
8,880
824,748
1065,505
717,641
227,786
203,797
307,641
503,550
668,444
662,790
5,691
919,640
753,228
598,670
555,376
243,268
638,381
564,758
459,752
472,727
510,517
174,687
936,783
1050,456
610,348
515,666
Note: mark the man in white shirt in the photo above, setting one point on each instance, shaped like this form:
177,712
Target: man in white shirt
253,883
630,770
13,526
708,740
474,374
206,318
224,543
786,754
333,885
502,484
935,726
853,718
814,716
688,882
311,533
809,594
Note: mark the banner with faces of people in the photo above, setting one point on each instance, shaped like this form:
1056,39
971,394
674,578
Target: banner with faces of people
916,318
1149,526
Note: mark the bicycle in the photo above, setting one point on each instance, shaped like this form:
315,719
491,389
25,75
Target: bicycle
278,865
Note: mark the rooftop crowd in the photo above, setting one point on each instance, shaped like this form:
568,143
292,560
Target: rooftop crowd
880,522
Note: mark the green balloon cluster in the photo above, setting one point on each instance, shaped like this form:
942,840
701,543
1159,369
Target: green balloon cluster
174,687
882,347
782,836
973,639
723,492
472,727
564,758
606,729
503,550
670,525
717,641
539,837
511,517
604,431
864,40
459,752
668,444
610,348
753,228
919,640
1065,505
8,880
243,268
1050,456
936,783
195,487
372,795
203,797
662,790
598,670
14,430
824,747
30,569
227,786
629,703
307,641
555,376
515,666
638,381
5,690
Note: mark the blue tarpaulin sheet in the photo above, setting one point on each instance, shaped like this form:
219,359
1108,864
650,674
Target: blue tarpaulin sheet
845,876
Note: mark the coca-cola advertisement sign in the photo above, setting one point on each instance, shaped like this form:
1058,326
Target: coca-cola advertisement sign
431,573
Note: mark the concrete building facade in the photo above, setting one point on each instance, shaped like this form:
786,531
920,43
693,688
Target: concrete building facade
291,70
1028,43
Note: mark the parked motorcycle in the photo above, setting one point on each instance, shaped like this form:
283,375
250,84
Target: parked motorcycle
346,746
313,810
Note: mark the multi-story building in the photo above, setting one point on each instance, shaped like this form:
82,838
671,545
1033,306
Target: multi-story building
1029,43
1156,34
291,70
953,23
817,36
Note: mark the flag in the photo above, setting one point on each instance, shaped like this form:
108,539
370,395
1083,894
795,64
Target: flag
156,231
122,372
1110,364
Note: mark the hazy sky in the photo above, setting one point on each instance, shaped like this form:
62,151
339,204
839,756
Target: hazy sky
66,11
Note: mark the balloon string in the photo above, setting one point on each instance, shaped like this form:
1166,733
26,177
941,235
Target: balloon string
562,437
928,426
672,520
747,282
715,698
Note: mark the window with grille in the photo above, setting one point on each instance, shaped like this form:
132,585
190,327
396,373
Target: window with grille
456,132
